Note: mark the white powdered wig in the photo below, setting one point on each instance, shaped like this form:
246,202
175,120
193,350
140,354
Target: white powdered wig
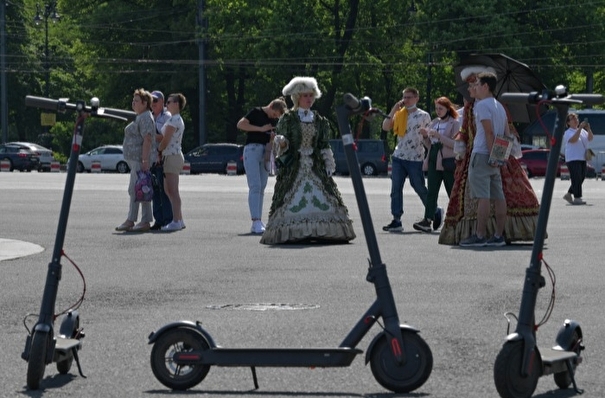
302,84
475,69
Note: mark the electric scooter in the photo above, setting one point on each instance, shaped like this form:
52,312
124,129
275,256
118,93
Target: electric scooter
520,363
42,346
400,360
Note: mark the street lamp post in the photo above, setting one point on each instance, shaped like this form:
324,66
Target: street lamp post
50,11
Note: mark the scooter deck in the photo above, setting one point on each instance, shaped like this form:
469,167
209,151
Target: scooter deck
555,361
64,345
277,357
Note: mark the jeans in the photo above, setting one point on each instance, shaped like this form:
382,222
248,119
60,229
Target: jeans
402,169
162,209
434,179
577,174
257,176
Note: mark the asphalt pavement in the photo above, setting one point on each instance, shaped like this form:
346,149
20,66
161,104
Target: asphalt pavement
250,295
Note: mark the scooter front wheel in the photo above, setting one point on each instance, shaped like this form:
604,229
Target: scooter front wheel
171,374
405,377
510,383
36,363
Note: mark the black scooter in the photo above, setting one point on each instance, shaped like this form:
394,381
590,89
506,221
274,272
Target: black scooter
400,359
520,364
42,346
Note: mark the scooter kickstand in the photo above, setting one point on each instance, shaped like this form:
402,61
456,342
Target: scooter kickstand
253,368
573,377
74,351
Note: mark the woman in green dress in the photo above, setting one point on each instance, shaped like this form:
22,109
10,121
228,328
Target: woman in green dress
306,205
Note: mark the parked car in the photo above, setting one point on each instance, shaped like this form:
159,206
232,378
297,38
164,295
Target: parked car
373,156
44,154
19,158
111,158
535,160
213,158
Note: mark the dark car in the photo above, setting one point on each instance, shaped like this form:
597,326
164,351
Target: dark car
214,158
19,158
535,160
44,154
373,156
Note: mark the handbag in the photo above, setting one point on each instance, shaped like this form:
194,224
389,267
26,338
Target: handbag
589,154
143,188
448,164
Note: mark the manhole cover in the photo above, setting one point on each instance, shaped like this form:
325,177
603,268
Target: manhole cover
263,307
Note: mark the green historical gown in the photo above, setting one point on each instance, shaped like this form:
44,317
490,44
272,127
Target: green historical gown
306,205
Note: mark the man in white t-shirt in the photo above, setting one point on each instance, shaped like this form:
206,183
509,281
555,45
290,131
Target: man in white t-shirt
484,178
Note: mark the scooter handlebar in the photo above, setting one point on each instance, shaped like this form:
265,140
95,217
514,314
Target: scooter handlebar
46,103
60,106
535,97
588,99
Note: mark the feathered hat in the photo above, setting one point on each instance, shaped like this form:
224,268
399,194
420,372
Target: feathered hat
302,84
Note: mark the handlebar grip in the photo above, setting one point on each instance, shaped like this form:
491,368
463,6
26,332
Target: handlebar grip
128,115
519,98
351,101
45,103
589,99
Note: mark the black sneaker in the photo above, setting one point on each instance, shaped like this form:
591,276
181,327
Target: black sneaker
438,220
473,240
496,241
155,227
424,225
394,226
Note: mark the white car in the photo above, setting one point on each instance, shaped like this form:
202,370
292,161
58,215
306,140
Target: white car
45,154
111,158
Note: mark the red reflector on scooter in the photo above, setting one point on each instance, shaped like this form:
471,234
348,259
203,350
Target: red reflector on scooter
186,357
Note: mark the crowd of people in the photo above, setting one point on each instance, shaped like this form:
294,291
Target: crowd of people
152,145
490,203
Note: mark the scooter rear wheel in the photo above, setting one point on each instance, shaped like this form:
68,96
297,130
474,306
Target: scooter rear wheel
36,363
507,371
563,379
171,374
406,377
64,366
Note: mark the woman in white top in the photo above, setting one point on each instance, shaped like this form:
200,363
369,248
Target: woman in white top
576,139
173,158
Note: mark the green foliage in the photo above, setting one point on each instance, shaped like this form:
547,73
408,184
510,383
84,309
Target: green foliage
253,48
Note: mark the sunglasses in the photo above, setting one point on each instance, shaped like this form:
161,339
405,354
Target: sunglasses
170,102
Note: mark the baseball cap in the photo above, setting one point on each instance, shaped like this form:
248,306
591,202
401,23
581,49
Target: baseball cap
157,95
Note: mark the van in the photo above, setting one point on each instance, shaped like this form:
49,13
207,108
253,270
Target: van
534,133
373,156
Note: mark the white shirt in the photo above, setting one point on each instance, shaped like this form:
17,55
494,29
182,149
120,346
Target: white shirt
575,150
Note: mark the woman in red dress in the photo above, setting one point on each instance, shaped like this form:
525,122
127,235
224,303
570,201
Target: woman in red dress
521,200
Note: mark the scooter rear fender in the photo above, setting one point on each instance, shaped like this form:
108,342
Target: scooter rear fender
69,323
565,336
195,326
381,334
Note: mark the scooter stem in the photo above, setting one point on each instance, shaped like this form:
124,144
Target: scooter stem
534,281
47,308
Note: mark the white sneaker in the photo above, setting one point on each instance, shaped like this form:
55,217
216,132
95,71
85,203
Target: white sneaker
257,227
174,226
